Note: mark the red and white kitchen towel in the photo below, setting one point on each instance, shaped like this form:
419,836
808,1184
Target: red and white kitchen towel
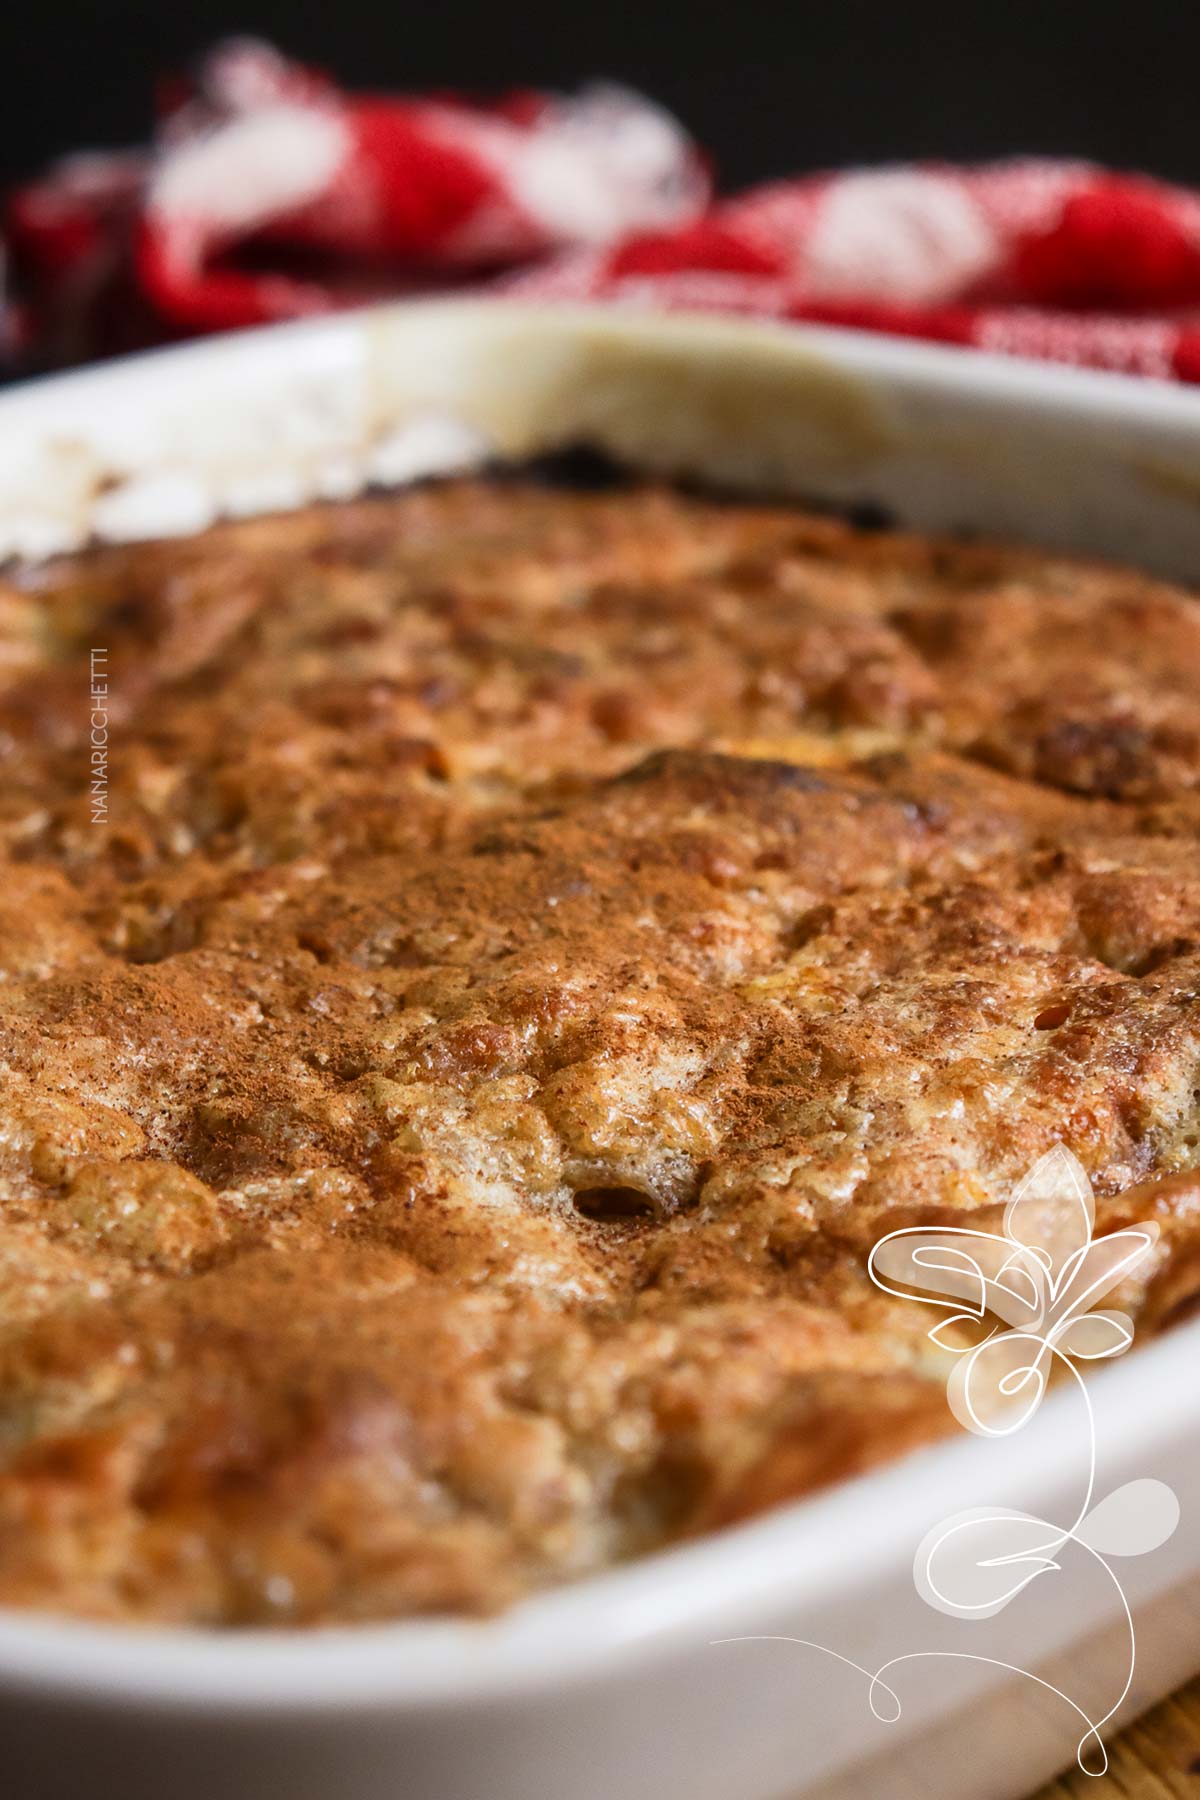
269,193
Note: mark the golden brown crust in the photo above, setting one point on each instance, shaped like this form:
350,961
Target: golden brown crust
537,945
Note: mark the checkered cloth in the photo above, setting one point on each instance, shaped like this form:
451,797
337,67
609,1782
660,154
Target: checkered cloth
270,194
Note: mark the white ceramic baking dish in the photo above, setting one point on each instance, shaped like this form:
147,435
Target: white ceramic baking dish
625,1686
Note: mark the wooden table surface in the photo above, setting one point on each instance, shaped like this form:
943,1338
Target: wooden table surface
1156,1759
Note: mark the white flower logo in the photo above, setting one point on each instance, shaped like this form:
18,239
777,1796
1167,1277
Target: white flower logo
1041,1277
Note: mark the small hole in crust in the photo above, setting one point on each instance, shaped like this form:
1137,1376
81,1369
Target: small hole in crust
1052,1017
614,1205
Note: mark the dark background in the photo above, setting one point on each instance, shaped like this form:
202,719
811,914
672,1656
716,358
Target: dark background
768,88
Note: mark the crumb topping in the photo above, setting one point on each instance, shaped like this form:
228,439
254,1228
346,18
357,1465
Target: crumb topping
537,943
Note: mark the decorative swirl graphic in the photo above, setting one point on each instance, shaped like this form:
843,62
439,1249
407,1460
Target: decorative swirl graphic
1041,1278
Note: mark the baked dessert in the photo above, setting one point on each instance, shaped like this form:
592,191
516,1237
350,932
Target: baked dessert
531,946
